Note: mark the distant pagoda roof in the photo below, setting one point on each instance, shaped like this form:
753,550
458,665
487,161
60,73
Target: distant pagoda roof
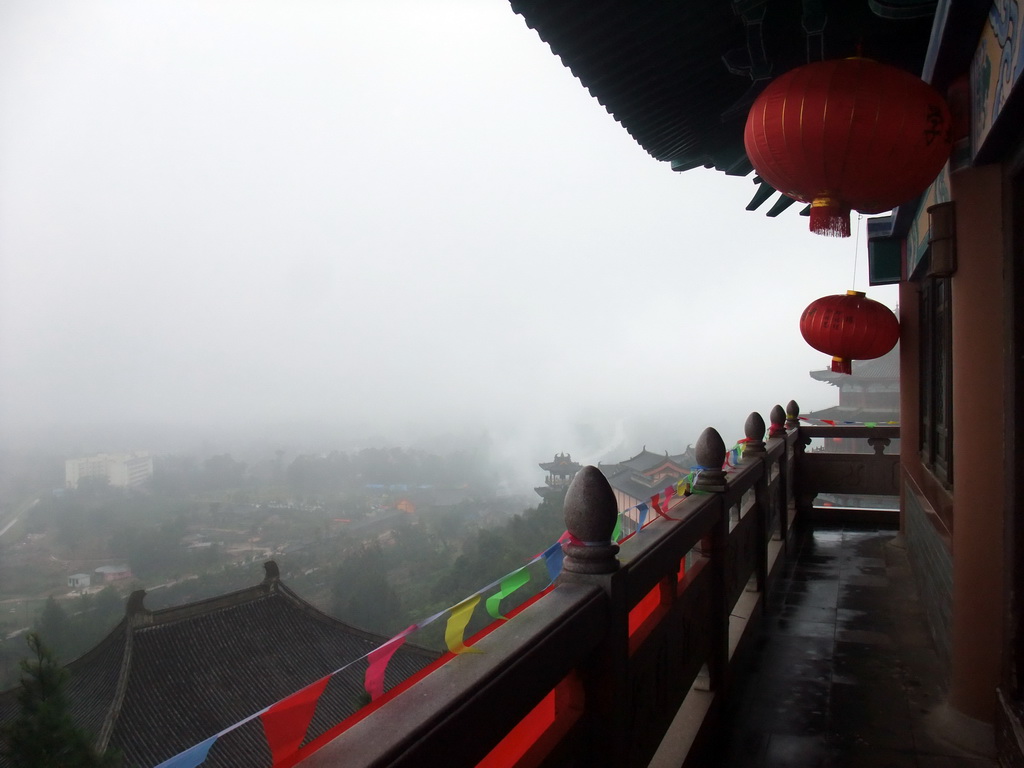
163,681
884,368
562,465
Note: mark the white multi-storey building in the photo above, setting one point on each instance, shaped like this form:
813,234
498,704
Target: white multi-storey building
121,470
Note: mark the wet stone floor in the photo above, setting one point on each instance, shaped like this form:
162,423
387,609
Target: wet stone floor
845,672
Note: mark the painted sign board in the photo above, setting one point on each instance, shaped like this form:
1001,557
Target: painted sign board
996,67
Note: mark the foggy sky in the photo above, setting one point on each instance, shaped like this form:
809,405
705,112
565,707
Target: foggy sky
376,217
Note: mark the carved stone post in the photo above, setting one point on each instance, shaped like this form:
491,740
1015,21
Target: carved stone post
777,417
802,498
792,414
590,559
753,431
710,450
753,451
778,495
590,514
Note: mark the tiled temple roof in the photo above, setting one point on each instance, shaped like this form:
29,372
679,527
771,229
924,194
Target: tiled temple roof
165,680
884,368
679,76
562,464
634,476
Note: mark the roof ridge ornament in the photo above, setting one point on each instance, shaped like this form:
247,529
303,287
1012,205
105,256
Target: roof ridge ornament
134,605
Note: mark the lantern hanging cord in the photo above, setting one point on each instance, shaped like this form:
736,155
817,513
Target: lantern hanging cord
856,252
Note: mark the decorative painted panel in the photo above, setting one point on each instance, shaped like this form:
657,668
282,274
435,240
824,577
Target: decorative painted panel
996,67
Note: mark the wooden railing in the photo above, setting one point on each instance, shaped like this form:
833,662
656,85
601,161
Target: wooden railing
847,474
626,660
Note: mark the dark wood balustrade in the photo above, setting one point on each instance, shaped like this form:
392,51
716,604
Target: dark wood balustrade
625,661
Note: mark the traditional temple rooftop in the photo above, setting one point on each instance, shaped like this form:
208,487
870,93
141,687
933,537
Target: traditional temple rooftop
885,368
679,77
163,681
648,461
647,473
869,394
561,465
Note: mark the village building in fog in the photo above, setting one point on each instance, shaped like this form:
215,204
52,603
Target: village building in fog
120,470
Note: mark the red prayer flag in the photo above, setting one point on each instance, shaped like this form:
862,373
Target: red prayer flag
656,503
378,663
285,724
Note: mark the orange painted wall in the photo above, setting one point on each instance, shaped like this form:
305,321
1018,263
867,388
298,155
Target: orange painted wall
978,490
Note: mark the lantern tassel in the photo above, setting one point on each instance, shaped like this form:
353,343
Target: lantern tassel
842,365
830,218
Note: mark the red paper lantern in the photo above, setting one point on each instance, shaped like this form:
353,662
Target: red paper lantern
850,327
848,134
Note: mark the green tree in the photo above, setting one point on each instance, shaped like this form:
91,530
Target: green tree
55,628
362,593
43,734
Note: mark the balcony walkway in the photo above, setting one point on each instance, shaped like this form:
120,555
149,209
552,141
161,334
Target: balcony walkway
845,672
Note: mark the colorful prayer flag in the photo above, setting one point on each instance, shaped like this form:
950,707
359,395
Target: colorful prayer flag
553,557
617,530
191,757
642,516
455,632
378,662
509,584
285,723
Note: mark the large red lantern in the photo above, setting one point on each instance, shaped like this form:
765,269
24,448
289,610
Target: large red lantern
848,134
850,327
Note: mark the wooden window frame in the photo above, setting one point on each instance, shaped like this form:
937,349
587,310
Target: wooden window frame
936,378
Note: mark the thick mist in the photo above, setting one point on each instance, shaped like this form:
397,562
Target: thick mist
260,226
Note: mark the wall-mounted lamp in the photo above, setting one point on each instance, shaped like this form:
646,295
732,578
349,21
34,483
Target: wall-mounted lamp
942,239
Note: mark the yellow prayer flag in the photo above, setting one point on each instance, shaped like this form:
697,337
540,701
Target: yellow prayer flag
455,631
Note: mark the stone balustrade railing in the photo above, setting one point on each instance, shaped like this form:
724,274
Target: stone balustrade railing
625,661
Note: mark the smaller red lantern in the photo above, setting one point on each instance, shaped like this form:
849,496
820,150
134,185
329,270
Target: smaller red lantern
849,327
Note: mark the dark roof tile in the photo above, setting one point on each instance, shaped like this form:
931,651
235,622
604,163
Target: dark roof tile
166,680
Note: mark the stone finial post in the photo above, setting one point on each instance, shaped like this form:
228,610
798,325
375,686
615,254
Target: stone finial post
778,420
792,415
710,450
590,515
753,431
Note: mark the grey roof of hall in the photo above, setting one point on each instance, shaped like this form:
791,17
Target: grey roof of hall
633,483
561,462
884,368
660,68
166,680
648,460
